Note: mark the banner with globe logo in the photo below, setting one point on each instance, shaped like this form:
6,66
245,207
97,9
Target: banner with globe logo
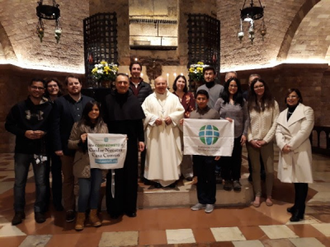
107,151
208,137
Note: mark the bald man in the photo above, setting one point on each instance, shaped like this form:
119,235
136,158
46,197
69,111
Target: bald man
163,112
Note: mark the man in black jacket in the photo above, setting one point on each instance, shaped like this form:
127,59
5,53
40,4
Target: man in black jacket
67,110
141,90
29,120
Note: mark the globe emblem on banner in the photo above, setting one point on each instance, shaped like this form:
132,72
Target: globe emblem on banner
209,134
106,139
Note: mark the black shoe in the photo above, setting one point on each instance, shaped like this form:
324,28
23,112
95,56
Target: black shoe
131,215
70,216
39,217
146,181
297,216
290,210
158,185
237,186
172,185
114,216
18,218
228,185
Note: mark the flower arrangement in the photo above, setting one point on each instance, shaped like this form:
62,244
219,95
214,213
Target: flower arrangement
196,71
105,71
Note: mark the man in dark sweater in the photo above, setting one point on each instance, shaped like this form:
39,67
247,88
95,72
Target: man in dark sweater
138,87
141,90
29,120
67,110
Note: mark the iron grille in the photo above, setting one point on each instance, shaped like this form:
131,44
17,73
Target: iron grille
203,42
100,42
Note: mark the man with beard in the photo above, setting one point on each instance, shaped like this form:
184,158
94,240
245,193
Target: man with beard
138,87
141,90
67,110
29,121
214,90
123,115
163,112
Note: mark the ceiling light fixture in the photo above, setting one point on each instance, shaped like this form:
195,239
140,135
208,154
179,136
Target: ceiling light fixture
48,12
250,14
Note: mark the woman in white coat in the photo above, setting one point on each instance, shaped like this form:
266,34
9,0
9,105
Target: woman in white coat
294,126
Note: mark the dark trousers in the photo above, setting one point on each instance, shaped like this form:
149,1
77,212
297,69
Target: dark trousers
301,190
126,185
54,166
143,161
22,164
231,166
204,169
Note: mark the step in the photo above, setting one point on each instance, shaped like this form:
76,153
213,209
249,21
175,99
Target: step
185,195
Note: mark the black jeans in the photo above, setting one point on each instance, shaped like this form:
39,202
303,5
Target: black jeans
301,190
54,166
204,169
22,164
231,166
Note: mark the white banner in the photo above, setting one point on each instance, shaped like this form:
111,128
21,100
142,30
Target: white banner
208,137
107,151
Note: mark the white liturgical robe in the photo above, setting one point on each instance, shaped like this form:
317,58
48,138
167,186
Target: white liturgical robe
163,142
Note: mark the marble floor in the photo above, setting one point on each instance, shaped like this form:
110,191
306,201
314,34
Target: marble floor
225,226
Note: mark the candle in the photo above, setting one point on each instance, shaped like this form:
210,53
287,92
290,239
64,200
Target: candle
168,77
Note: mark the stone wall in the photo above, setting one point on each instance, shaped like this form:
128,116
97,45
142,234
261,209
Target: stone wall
282,18
18,19
312,38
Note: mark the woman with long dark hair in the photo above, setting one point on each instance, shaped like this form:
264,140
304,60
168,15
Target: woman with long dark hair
294,126
188,102
232,106
89,180
263,113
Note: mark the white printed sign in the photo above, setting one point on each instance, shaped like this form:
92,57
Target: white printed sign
208,137
107,151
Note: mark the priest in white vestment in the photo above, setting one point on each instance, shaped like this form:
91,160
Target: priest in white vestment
163,112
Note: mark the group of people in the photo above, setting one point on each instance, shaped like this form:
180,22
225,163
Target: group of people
51,134
257,122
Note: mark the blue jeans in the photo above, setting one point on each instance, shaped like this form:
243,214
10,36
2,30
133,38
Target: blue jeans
22,164
89,191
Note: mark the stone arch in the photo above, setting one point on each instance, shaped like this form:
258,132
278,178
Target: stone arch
300,15
6,45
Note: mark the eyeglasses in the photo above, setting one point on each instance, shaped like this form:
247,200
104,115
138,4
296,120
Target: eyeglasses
292,97
233,86
261,86
37,88
55,85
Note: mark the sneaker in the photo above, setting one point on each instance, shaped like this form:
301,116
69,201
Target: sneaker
209,208
39,217
237,185
18,218
198,206
228,186
70,216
